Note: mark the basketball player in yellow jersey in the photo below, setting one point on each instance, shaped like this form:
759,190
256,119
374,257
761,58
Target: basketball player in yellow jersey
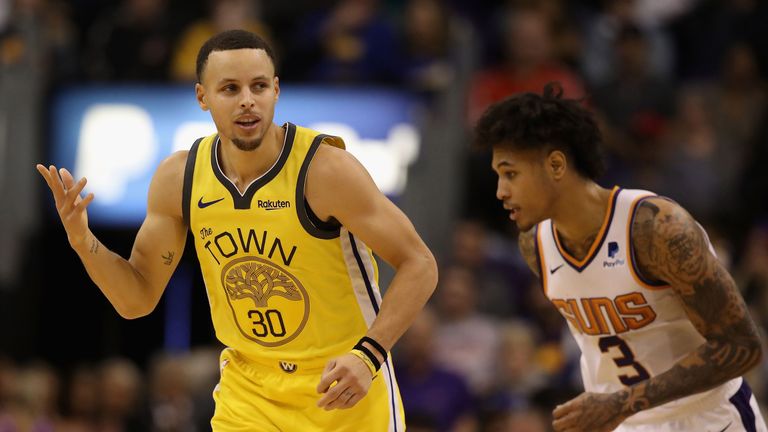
663,331
285,225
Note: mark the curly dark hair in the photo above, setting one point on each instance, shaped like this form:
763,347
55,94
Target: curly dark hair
549,122
230,40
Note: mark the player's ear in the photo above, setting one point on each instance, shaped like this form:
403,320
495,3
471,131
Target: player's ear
277,88
200,95
556,164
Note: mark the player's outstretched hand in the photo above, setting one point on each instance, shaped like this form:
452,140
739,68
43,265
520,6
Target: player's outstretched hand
69,204
352,378
589,412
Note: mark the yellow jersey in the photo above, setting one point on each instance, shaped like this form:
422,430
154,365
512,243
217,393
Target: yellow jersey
282,285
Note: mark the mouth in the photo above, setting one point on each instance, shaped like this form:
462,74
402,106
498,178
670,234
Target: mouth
247,122
514,211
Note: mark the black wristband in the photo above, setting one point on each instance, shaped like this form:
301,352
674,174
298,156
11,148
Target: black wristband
369,354
374,344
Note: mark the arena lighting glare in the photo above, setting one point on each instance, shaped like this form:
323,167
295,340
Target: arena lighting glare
116,136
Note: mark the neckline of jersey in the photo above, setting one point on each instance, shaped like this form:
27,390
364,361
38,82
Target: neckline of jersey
580,265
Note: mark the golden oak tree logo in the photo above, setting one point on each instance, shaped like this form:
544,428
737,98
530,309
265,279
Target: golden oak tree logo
259,282
270,305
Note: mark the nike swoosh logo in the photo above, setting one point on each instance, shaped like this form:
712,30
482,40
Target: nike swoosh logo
552,271
726,427
202,204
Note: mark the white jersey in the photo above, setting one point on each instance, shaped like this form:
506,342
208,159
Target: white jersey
629,329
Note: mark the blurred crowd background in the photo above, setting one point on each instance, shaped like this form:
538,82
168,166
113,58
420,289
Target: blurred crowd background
678,87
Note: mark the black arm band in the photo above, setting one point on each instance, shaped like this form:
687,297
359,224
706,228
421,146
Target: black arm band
374,344
368,354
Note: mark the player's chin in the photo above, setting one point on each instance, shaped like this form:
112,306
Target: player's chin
523,225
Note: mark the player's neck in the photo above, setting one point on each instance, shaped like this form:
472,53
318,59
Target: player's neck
580,212
242,167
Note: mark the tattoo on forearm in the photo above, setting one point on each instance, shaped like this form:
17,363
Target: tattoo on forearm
168,259
637,400
670,246
94,246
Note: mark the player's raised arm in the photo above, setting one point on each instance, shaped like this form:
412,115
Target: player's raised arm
338,186
133,286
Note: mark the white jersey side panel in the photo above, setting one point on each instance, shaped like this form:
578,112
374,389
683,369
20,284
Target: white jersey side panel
628,328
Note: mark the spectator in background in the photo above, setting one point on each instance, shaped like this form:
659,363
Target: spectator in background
691,170
519,376
80,401
120,390
33,404
433,397
529,63
601,61
563,16
500,275
703,36
57,36
202,372
636,103
350,43
427,44
709,146
467,340
131,43
738,101
171,407
752,274
224,15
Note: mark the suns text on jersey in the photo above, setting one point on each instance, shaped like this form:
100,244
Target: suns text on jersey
226,245
605,316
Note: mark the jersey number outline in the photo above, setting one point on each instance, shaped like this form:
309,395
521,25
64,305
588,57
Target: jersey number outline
268,322
627,359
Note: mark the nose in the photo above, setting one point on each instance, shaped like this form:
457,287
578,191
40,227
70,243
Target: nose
502,192
247,99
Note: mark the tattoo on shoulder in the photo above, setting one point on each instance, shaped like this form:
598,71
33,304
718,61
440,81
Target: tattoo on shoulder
168,259
94,246
527,243
669,244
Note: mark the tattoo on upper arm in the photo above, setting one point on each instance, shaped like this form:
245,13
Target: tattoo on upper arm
671,246
94,246
643,236
168,259
526,241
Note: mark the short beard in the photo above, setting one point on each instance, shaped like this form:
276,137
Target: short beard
244,145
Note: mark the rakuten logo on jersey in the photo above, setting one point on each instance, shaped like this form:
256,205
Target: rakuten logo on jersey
273,205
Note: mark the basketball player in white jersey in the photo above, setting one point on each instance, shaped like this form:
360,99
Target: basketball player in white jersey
664,333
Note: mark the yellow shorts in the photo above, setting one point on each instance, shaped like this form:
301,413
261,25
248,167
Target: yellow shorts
256,396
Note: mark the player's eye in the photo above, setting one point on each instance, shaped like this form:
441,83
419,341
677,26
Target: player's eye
229,88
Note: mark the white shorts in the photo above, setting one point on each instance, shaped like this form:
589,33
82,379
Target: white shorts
739,413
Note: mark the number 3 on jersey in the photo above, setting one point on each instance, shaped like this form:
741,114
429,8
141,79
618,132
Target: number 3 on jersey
627,358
